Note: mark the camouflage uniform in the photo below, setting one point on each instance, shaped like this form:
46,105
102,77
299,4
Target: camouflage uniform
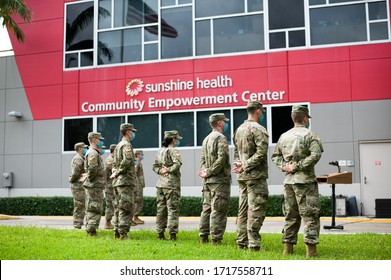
217,183
109,190
168,190
94,185
138,195
251,146
124,183
77,189
302,148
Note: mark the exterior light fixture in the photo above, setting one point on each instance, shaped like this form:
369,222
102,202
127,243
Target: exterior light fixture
15,114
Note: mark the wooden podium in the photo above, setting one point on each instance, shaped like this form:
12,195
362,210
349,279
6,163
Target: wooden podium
334,178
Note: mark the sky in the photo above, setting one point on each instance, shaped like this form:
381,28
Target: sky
5,43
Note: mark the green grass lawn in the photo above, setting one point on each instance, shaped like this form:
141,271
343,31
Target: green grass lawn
31,243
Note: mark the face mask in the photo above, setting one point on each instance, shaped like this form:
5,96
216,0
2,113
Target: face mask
102,152
177,143
307,125
85,151
225,127
262,118
133,136
142,157
135,162
100,144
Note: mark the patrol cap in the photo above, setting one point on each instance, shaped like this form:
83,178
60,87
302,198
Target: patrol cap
112,146
255,104
80,145
95,135
300,109
172,134
127,126
139,152
217,117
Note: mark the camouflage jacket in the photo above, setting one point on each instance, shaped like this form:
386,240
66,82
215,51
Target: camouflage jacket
109,170
301,147
170,158
123,165
215,158
94,168
77,169
251,144
140,173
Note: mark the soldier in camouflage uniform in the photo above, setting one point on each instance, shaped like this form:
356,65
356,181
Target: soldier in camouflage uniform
138,195
125,180
216,174
296,153
250,164
109,190
77,189
94,182
168,188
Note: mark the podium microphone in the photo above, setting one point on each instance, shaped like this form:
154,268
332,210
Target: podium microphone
335,163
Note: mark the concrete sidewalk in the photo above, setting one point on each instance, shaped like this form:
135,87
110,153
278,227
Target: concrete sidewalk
271,224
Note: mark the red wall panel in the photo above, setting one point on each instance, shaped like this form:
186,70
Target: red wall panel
45,101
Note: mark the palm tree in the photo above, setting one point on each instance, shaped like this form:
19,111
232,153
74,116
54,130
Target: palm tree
9,8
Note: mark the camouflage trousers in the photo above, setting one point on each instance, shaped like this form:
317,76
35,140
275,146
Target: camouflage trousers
214,210
79,204
94,207
253,201
109,196
301,201
167,215
123,212
138,200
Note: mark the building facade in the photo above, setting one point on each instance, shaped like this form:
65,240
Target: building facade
168,64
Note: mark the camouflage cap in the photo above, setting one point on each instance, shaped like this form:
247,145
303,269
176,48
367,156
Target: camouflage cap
172,134
112,146
127,126
217,117
256,105
139,152
300,109
95,135
80,145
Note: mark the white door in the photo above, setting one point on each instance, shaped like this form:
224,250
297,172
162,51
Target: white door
375,161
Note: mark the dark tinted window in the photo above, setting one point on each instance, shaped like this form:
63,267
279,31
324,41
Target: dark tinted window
182,122
204,128
109,127
281,121
147,134
206,8
76,130
286,14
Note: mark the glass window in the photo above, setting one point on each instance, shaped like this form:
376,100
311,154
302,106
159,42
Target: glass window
76,130
281,121
379,31
255,5
135,12
168,3
296,38
87,59
120,46
80,26
277,40
71,60
203,42
147,134
238,34
339,24
317,2
204,128
286,14
176,31
184,2
377,10
341,1
182,122
104,20
207,8
109,127
151,52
